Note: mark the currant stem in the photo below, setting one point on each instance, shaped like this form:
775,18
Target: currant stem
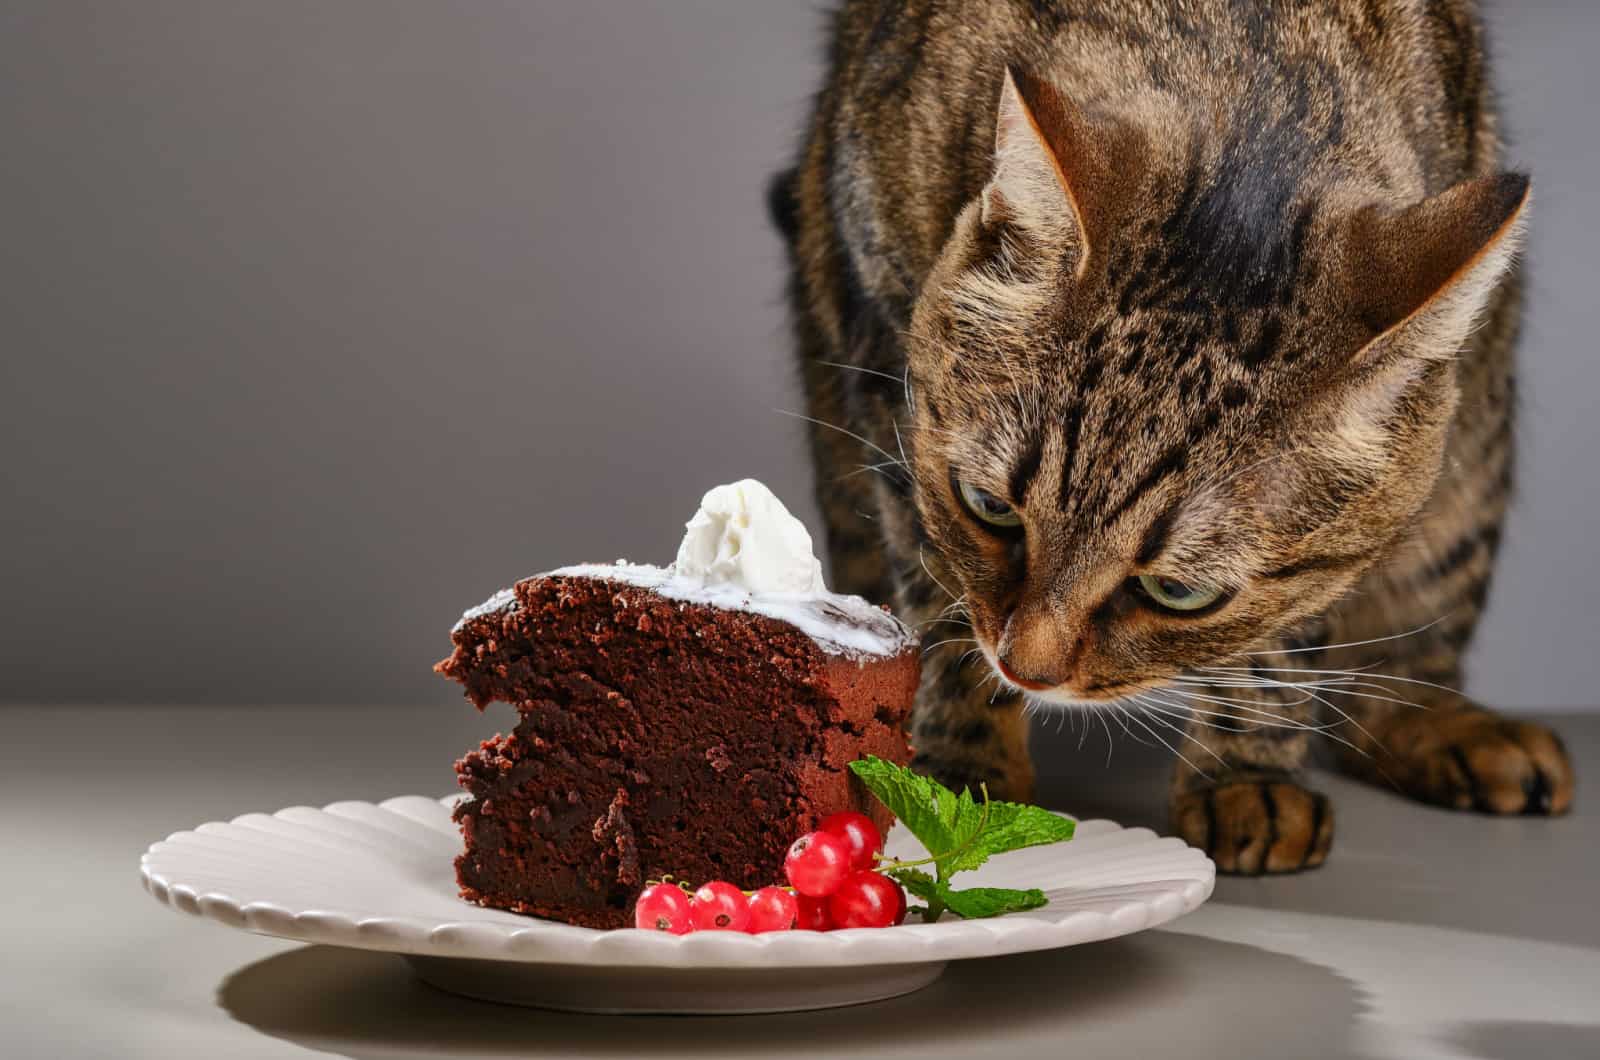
932,859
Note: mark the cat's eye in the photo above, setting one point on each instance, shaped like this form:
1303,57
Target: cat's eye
1173,595
987,508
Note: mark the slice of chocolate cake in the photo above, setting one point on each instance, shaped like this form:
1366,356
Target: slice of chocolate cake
690,720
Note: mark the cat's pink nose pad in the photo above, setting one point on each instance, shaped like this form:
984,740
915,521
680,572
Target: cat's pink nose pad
1020,681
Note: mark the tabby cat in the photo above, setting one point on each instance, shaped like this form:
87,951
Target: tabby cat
1169,346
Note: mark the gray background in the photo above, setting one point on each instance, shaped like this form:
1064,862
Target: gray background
320,321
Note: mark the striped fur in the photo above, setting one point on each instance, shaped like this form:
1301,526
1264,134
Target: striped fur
1223,292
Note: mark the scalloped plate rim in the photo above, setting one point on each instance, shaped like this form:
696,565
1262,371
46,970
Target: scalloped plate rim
487,936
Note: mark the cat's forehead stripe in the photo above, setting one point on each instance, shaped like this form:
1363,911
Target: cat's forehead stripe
1171,462
1155,537
1027,467
1072,426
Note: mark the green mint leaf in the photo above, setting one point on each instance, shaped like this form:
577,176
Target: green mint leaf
977,903
970,819
970,855
972,903
1011,826
926,807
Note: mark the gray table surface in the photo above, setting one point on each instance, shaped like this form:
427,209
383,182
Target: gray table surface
1429,934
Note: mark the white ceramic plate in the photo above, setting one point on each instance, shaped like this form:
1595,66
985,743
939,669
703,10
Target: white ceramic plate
380,877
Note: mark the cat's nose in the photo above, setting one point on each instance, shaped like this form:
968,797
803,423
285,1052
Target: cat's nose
1036,653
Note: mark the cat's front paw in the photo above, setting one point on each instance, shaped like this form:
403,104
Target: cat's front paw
1255,825
956,771
1477,760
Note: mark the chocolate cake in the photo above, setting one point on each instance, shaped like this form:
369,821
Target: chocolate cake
690,720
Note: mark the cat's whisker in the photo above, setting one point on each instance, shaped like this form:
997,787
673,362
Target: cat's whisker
952,640
862,468
855,368
835,427
1354,690
1362,729
1236,674
1162,718
1308,688
1262,717
1111,742
1355,643
923,559
1118,713
1272,702
1258,719
942,621
1358,672
1186,760
1280,722
1270,685
1254,677
1228,700
877,469
1205,723
1358,726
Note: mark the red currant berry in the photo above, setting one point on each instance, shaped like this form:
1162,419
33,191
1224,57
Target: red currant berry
719,906
866,899
772,909
663,907
814,915
817,863
858,830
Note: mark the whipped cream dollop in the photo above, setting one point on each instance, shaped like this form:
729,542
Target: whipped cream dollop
743,536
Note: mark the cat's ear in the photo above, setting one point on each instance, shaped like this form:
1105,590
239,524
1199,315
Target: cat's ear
1419,278
1423,274
1048,165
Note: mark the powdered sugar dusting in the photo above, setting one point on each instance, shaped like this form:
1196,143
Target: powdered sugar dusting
504,600
841,625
